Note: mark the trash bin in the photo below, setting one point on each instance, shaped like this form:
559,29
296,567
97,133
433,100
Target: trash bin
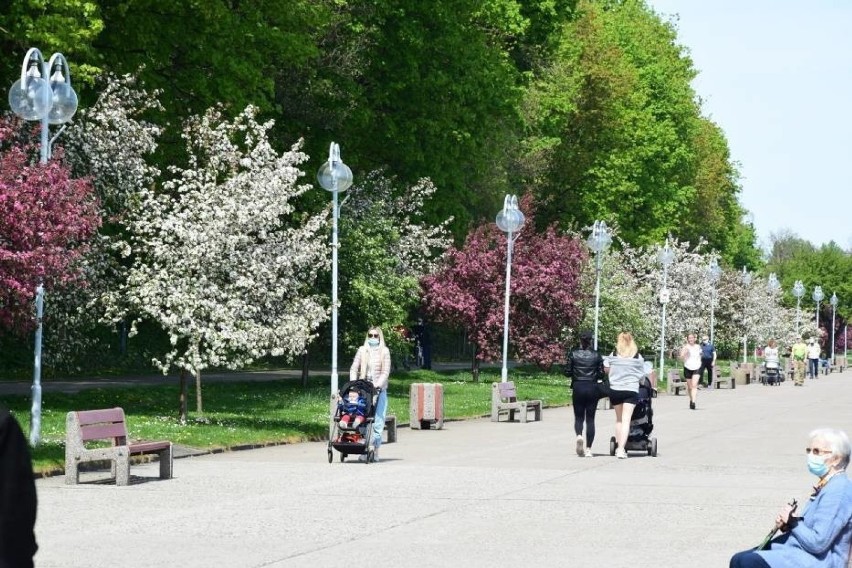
426,406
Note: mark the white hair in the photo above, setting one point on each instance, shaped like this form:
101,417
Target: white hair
837,440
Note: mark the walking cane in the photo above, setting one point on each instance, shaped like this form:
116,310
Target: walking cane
763,545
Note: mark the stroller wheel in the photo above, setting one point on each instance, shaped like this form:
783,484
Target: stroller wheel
652,451
612,446
330,456
371,456
342,457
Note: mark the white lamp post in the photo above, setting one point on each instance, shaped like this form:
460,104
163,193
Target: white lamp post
598,241
42,93
334,176
833,310
799,292
714,272
817,297
746,278
510,220
666,257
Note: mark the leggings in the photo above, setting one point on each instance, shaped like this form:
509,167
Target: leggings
585,401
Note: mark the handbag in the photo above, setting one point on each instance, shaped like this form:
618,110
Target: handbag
603,387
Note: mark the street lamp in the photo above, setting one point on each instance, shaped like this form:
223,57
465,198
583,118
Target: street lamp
746,278
598,241
817,296
42,93
509,220
666,257
798,291
833,310
334,176
714,272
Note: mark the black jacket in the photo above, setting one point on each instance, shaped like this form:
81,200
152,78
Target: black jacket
584,365
17,496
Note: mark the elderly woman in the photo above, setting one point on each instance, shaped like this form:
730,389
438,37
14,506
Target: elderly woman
822,536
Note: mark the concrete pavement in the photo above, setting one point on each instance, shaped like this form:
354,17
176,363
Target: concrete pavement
475,494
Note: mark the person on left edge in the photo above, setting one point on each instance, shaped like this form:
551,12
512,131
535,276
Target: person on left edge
690,354
822,535
585,368
373,363
18,501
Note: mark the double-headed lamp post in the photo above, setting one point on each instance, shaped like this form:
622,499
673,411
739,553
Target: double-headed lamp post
799,292
598,242
714,272
509,220
833,310
334,176
666,257
746,278
817,297
42,93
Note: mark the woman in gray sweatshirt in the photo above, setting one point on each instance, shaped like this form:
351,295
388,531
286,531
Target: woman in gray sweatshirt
625,369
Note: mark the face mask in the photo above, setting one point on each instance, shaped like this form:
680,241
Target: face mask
373,342
817,465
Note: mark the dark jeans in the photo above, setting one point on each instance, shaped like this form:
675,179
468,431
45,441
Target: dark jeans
706,364
585,400
813,367
747,559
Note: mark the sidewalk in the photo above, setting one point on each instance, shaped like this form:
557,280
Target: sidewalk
476,494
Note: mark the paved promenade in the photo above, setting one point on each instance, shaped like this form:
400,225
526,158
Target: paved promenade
475,494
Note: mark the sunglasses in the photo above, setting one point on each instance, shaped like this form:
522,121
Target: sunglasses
372,335
818,452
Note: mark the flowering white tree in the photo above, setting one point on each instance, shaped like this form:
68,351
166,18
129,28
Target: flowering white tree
219,260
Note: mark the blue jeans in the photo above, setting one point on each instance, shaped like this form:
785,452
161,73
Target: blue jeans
813,365
379,418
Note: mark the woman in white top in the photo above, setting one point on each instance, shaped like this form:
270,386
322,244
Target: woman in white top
373,363
625,368
690,354
771,363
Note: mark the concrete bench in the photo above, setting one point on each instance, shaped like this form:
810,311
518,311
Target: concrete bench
107,424
390,428
504,398
840,363
675,383
719,380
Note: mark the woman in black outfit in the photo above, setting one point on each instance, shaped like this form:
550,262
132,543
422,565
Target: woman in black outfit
585,367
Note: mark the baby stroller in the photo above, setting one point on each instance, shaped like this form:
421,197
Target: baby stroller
772,376
641,423
352,440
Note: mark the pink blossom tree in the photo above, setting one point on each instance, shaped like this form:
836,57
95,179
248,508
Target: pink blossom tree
467,292
46,220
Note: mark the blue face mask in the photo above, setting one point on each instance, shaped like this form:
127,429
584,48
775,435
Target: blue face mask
817,465
373,342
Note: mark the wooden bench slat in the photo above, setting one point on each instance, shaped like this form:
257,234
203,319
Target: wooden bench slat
143,447
103,431
87,417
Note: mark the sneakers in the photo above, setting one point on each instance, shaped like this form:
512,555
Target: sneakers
587,453
620,454
692,405
344,425
581,444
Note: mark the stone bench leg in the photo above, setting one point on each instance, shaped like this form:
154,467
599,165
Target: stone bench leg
122,467
166,463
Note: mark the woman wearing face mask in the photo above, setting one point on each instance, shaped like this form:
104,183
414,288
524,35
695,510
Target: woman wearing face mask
373,363
822,536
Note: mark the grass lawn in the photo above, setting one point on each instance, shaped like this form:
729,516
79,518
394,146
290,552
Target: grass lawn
257,413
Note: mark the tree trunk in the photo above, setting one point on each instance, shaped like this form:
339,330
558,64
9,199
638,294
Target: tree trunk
182,412
305,359
474,364
198,392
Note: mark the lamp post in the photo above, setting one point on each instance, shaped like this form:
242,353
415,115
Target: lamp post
509,220
817,297
798,291
666,257
833,310
714,272
42,93
334,176
746,278
598,241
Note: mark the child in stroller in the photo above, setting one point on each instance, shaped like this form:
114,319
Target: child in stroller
352,409
353,414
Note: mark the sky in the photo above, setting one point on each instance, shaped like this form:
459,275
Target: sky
776,76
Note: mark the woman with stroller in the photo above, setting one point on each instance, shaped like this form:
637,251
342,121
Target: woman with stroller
373,363
625,369
822,535
585,367
771,362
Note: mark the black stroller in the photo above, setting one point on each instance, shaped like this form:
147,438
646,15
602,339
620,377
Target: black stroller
772,376
353,440
641,423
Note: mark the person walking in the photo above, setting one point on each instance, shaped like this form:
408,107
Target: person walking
690,354
373,363
813,358
18,501
799,352
585,368
708,360
625,369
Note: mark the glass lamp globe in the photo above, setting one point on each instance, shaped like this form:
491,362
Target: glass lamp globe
510,219
329,171
64,100
33,101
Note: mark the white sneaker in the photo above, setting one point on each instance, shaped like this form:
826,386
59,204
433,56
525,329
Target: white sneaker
588,453
362,458
376,455
581,443
621,454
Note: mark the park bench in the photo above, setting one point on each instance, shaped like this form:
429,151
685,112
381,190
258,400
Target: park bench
840,362
87,426
719,380
504,398
675,383
390,428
